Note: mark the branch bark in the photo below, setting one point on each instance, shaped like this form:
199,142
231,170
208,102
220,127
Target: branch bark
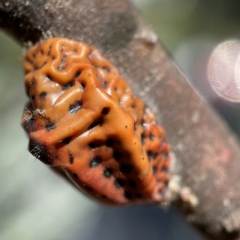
206,182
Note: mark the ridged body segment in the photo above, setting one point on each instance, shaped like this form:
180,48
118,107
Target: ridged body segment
83,117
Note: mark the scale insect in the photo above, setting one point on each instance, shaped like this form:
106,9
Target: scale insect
84,118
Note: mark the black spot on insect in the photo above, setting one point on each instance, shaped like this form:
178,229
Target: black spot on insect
95,162
67,140
29,61
110,142
119,182
40,151
77,73
103,197
166,182
48,78
143,122
30,125
117,155
161,191
127,195
126,126
105,111
126,168
75,175
83,85
164,169
108,172
69,85
132,183
106,69
152,137
104,84
50,126
71,159
149,155
60,68
43,94
98,122
49,50
89,189
92,145
96,144
75,107
63,60
142,138
100,78
138,195
33,97
42,65
154,168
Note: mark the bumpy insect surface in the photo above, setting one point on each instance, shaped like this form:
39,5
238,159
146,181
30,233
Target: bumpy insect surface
84,118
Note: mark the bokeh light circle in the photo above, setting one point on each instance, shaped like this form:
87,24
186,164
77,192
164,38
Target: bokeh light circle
224,70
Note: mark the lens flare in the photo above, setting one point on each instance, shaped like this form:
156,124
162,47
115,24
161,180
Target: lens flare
224,71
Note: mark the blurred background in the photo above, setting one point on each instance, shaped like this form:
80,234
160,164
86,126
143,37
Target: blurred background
37,204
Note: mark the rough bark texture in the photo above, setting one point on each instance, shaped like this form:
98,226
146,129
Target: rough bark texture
205,184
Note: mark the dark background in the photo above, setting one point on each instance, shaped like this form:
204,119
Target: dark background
36,204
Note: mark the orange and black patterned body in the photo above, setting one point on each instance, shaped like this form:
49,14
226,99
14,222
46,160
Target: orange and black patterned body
84,118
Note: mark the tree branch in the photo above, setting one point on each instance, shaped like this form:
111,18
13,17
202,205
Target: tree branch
206,182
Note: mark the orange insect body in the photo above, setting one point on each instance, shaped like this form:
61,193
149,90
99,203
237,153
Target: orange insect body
84,118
